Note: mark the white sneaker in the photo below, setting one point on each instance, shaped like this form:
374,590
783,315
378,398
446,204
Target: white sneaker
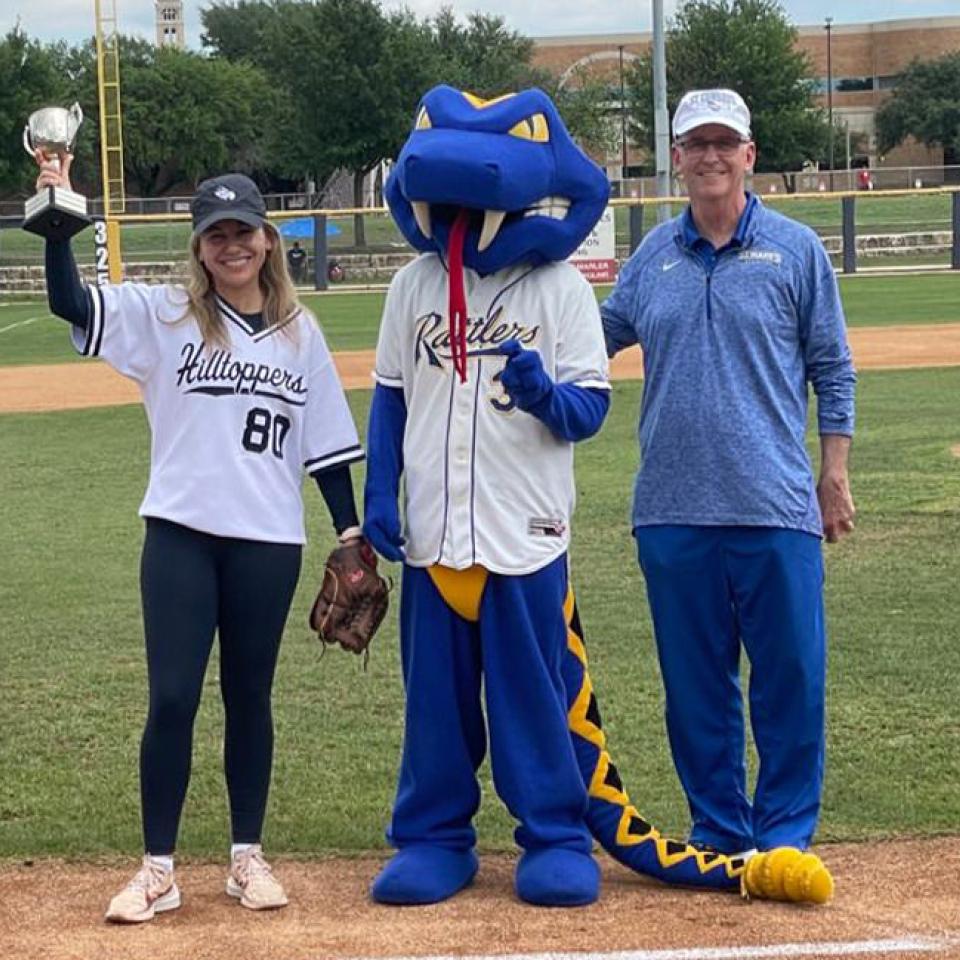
252,881
151,891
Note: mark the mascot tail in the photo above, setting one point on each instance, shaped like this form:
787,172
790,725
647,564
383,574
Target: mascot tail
782,874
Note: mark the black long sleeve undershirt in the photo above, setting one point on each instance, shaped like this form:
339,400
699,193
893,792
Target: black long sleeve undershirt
66,294
336,486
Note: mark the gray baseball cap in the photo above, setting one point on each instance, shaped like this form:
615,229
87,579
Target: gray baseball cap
232,196
700,107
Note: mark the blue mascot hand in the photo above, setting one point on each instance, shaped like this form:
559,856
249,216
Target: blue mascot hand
381,526
523,376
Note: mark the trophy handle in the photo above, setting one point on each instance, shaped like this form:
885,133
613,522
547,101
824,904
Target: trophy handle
27,142
77,114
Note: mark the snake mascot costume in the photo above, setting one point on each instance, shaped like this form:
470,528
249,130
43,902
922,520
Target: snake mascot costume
490,366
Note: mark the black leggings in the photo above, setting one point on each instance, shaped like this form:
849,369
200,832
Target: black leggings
193,584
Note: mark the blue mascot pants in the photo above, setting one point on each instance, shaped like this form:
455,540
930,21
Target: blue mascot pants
711,589
517,647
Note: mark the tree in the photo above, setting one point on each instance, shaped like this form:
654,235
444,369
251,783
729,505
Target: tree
29,80
587,104
235,31
188,117
482,55
926,106
749,46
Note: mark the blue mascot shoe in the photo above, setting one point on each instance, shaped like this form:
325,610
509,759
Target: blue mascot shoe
554,877
424,874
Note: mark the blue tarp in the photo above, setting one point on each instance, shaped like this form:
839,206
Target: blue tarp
303,227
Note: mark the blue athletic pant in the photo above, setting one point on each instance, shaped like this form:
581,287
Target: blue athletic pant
711,589
517,649
192,585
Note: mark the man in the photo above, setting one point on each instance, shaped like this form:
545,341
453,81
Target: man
737,309
296,261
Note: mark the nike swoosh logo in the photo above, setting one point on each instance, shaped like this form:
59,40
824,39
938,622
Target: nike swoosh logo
670,265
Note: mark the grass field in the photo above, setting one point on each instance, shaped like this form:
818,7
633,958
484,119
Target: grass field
168,241
28,334
72,688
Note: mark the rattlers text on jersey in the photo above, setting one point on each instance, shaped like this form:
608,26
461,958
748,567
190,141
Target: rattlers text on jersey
486,483
233,428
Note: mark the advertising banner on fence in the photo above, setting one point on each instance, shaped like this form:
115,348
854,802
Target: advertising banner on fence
596,257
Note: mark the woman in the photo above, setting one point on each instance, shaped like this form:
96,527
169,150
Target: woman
242,396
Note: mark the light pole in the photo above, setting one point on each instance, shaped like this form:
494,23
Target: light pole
830,98
661,118
623,124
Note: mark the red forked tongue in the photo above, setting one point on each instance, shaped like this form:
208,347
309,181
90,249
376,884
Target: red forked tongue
457,296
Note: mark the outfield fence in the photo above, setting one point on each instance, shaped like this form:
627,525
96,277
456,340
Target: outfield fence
859,228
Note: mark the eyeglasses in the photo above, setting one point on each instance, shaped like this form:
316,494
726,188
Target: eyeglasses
725,146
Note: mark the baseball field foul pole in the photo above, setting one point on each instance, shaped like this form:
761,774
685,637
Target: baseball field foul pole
111,137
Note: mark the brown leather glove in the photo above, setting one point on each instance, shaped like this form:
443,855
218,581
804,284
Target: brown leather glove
353,597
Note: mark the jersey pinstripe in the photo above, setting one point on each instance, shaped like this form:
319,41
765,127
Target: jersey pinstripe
484,482
233,428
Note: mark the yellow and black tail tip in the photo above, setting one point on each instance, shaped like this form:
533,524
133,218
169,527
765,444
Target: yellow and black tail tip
788,874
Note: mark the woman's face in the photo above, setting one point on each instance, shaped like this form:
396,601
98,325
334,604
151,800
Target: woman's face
233,253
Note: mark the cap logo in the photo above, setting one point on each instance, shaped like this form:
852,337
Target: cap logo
224,193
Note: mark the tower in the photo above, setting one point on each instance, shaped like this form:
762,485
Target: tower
169,23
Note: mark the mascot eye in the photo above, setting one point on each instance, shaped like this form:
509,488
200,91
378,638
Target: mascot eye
423,120
533,128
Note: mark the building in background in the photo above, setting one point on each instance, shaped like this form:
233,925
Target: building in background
867,60
169,18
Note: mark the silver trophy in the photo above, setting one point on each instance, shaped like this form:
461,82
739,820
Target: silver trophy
54,212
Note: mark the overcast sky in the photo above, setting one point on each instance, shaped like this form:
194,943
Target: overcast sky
72,20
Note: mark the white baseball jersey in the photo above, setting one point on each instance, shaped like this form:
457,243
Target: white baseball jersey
232,428
486,483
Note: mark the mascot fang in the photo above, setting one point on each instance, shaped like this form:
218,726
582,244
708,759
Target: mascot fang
490,367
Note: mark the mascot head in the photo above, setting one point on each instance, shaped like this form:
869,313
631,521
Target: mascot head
492,183
530,194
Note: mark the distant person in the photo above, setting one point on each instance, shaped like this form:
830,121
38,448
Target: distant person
864,180
297,262
737,310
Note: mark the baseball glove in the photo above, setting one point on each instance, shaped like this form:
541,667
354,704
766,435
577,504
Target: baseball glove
352,601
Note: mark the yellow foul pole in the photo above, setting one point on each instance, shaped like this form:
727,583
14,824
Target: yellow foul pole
111,134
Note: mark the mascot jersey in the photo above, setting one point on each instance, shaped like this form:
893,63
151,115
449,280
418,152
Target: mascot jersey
486,483
490,366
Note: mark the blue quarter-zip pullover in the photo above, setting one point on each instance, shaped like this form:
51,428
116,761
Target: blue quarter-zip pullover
731,339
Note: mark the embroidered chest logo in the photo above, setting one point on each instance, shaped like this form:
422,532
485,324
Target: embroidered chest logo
220,374
760,256
484,336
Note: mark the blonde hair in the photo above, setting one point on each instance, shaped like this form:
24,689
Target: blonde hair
280,303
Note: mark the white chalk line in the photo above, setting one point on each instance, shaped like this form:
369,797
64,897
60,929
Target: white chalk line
841,948
23,323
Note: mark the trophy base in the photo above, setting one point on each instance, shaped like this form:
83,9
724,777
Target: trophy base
56,214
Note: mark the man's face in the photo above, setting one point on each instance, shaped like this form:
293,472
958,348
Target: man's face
713,161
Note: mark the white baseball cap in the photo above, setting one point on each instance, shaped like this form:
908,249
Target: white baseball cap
699,107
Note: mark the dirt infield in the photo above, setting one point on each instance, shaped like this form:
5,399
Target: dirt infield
73,386
893,894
